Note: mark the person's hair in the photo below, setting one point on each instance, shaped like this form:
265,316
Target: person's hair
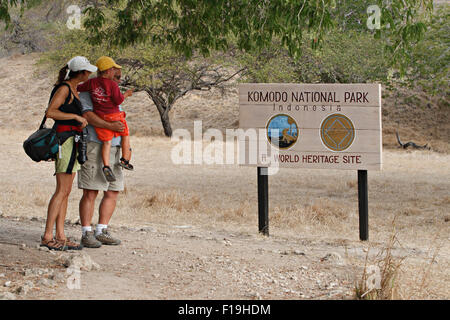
100,73
63,72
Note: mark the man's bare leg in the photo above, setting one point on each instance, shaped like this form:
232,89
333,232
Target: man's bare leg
87,205
107,206
106,209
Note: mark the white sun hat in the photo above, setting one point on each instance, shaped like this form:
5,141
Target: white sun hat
79,63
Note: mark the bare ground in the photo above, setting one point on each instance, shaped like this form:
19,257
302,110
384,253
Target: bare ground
189,262
186,262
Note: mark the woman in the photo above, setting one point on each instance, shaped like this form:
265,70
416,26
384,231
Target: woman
65,108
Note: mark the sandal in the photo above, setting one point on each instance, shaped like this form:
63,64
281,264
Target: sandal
70,244
109,175
53,245
125,164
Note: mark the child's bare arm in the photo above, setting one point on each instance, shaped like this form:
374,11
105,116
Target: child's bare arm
128,93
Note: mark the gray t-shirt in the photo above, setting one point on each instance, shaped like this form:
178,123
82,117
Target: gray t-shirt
87,105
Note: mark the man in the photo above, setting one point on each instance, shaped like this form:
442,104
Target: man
90,176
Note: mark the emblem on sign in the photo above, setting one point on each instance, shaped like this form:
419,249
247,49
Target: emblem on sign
337,132
282,131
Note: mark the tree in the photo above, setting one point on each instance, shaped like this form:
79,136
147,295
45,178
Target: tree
167,76
205,25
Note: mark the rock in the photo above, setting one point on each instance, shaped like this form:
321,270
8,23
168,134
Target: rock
7,284
45,249
58,277
292,252
37,272
147,229
333,257
25,288
7,296
80,261
2,275
46,282
23,246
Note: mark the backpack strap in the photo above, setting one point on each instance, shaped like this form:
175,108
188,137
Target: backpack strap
51,96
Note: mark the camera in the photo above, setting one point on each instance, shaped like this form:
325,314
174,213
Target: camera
82,146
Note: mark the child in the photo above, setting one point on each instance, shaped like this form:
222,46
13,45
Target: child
106,98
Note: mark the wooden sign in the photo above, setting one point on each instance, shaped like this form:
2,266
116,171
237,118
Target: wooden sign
326,126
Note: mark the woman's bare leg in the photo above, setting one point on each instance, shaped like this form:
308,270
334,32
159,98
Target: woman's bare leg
57,207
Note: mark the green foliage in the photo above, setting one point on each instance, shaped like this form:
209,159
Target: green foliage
205,25
351,57
69,43
346,56
430,59
6,7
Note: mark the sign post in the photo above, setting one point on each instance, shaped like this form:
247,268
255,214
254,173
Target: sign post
263,201
363,205
311,126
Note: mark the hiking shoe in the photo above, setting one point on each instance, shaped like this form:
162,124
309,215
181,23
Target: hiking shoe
88,240
106,238
69,244
109,175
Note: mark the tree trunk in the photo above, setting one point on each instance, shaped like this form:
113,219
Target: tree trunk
165,120
163,108
166,125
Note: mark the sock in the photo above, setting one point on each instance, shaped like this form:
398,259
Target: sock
86,229
99,228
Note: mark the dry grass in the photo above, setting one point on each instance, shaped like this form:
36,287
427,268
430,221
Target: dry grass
380,276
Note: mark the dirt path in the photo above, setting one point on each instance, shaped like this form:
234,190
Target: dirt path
180,262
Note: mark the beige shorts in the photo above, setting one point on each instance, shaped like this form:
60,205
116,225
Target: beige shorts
91,176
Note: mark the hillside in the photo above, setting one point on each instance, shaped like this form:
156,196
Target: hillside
24,97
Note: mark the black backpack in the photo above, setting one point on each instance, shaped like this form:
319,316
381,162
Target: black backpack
43,144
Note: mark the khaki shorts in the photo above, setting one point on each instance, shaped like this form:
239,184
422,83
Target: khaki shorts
91,176
63,158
